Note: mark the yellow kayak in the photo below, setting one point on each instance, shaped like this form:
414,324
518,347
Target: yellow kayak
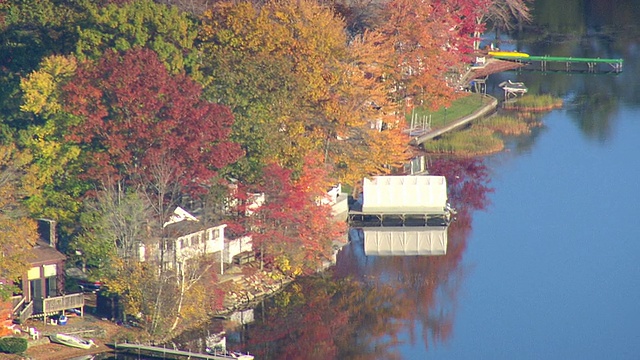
513,54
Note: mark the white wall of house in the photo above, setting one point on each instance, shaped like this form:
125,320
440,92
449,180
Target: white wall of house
243,317
235,247
332,195
207,241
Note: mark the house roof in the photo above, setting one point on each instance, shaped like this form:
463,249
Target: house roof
42,254
182,228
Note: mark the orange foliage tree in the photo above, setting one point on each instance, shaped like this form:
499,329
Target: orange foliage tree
428,51
297,85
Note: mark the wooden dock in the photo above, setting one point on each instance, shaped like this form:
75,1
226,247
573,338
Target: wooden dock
591,63
160,352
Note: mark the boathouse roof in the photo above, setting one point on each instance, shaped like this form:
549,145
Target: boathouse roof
404,194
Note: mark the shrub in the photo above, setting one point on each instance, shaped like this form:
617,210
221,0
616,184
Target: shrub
507,125
13,345
469,142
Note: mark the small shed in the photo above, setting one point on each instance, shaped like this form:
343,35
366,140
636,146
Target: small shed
45,277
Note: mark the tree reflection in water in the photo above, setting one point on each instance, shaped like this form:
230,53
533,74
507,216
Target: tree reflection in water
360,309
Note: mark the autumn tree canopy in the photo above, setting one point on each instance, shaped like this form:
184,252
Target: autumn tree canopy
300,88
275,66
293,228
426,56
282,95
139,123
51,177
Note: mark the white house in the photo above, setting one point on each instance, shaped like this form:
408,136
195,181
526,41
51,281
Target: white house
185,238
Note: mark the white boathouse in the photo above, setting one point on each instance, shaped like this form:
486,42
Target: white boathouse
403,200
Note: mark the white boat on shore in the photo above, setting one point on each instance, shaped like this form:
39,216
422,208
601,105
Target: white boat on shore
71,340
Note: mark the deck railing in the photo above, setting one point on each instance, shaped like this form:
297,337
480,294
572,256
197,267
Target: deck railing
26,313
64,302
16,303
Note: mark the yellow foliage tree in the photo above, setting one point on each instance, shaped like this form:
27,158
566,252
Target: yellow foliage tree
42,88
53,159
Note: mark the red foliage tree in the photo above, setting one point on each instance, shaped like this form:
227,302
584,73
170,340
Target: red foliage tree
293,222
140,124
468,14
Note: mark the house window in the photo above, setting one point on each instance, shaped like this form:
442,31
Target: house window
50,270
34,273
216,233
51,286
35,287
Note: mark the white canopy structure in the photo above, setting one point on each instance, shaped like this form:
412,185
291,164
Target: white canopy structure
403,241
418,194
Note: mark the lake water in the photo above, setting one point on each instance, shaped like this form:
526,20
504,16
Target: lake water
554,262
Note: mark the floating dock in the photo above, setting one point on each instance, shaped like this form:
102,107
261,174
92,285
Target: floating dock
569,62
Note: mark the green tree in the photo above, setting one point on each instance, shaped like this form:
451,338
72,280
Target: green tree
115,224
144,23
29,31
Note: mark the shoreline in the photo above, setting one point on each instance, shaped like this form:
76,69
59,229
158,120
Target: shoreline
43,349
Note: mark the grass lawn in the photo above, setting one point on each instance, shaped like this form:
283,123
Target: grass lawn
459,108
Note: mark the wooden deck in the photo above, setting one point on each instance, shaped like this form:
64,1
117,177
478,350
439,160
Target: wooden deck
47,307
64,302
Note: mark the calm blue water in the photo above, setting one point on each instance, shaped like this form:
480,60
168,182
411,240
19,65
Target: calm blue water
555,260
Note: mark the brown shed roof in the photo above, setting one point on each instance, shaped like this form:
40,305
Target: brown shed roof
42,254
